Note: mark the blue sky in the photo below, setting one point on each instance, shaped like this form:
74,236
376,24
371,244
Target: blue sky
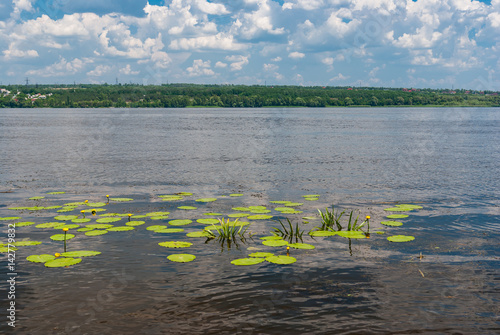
383,43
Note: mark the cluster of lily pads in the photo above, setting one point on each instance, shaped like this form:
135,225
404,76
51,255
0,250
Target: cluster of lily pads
90,219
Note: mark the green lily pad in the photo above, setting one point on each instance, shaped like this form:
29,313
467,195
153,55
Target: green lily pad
66,217
48,225
185,193
187,207
85,229
9,218
311,196
284,209
53,207
392,223
294,204
99,226
40,258
96,232
135,223
69,226
7,249
18,208
156,227
207,221
75,204
301,246
96,204
351,234
271,238
261,254
257,207
400,238
310,218
275,243
120,199
171,198
323,233
410,206
54,193
60,237
182,258
169,230
62,262
157,213
124,228
81,253
80,220
206,199
291,212
179,222
24,224
260,211
281,259
36,198
90,210
398,209
241,209
247,261
259,217
280,202
238,215
397,216
236,195
213,214
66,210
175,244
202,233
26,243
108,220
311,199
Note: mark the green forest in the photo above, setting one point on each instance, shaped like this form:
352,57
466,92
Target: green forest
191,95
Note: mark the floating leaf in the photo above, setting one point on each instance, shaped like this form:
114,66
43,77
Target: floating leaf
156,227
66,217
26,243
48,225
392,223
124,228
206,199
236,195
182,258
53,207
36,198
62,262
138,216
311,196
135,223
157,213
179,222
284,209
311,199
238,215
247,261
96,204
401,238
61,237
171,198
397,216
17,209
398,209
410,206
85,229
24,224
96,232
160,217
187,207
301,246
69,226
9,218
310,218
259,217
121,199
202,233
7,249
275,243
207,221
99,226
261,254
260,211
280,202
214,214
54,193
108,220
75,204
175,244
94,210
242,209
169,230
281,259
351,234
294,204
40,258
274,237
80,220
323,233
185,193
81,253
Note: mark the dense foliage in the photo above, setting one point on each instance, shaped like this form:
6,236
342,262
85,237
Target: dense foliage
188,95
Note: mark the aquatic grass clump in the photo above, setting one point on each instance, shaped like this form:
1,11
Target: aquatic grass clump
332,221
227,230
289,231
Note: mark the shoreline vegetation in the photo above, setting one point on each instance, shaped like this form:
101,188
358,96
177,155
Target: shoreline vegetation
233,96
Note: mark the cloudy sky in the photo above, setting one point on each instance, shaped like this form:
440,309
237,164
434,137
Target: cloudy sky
396,43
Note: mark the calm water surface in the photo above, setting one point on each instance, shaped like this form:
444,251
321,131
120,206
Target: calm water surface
368,159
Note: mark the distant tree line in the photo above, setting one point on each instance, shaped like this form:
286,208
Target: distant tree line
190,95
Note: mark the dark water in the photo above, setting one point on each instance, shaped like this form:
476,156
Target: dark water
446,160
